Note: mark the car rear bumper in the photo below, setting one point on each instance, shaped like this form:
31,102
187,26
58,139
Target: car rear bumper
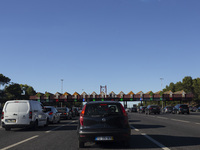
64,116
16,125
154,111
91,135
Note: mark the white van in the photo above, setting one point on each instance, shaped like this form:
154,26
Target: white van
23,113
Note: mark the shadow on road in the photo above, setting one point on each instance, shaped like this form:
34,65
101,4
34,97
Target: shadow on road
140,142
134,120
142,126
177,141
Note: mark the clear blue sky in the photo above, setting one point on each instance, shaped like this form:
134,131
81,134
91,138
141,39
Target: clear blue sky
127,45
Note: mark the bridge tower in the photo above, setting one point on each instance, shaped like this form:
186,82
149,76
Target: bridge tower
103,89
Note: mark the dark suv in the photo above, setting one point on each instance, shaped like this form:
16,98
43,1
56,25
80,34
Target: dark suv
103,121
142,109
181,109
65,112
155,109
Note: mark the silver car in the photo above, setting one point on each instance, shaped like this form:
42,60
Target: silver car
168,109
52,113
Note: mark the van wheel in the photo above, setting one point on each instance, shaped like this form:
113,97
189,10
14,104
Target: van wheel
81,144
7,128
47,123
35,126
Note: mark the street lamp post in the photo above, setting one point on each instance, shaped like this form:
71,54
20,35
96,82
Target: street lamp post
61,89
62,86
161,89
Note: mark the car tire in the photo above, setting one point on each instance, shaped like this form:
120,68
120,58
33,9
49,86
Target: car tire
35,126
47,123
7,128
81,144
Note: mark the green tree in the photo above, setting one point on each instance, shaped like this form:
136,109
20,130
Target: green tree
196,88
178,86
171,87
187,84
4,79
13,91
27,91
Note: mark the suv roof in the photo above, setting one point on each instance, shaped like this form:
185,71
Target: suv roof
98,102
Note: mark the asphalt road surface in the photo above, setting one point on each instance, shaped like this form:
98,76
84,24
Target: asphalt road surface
149,132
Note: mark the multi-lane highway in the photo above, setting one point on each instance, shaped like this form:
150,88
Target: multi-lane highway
164,131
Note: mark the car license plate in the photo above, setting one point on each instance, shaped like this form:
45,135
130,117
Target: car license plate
104,138
11,120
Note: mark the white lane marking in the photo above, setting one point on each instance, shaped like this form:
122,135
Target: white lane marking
13,145
55,128
180,120
162,117
197,123
132,127
58,127
155,142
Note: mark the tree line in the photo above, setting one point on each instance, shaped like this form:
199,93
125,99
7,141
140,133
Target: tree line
14,90
188,85
23,91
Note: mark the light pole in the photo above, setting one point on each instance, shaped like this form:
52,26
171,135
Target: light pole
62,86
161,89
61,89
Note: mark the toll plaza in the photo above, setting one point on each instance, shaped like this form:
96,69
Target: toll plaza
62,99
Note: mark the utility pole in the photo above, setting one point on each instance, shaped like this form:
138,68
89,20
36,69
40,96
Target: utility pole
62,86
161,89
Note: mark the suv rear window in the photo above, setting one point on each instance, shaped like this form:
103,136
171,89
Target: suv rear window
153,106
184,106
61,109
102,109
47,109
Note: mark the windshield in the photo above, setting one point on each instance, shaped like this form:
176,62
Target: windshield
102,109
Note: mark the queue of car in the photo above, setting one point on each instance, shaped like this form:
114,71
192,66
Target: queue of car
32,114
65,112
155,109
100,121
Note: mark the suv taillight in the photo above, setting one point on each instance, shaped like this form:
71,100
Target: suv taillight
50,113
30,115
81,115
2,116
123,110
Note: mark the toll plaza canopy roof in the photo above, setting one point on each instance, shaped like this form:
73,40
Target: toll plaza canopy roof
131,96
